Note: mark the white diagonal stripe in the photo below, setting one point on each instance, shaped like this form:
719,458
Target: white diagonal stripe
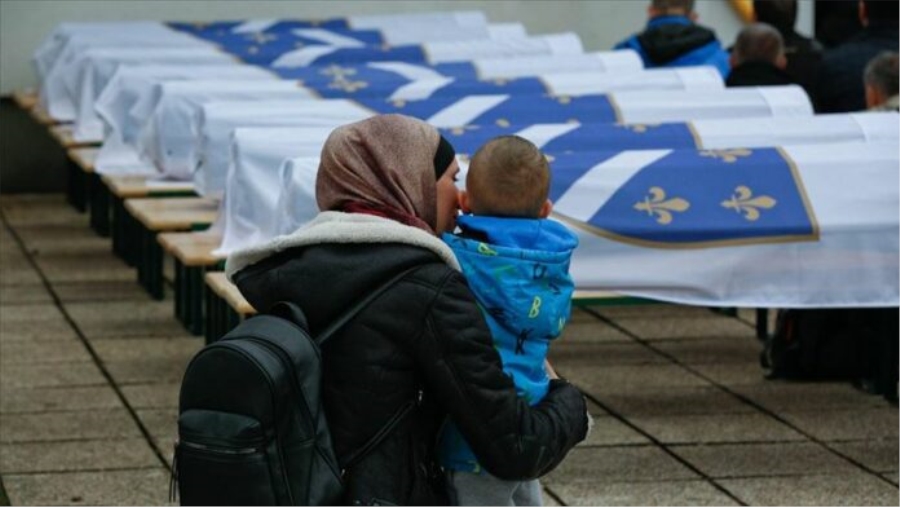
590,192
541,134
420,89
465,110
303,57
328,37
408,70
256,25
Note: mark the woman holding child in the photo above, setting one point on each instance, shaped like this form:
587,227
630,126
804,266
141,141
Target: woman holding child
386,190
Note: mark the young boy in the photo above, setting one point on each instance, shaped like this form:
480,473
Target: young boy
516,262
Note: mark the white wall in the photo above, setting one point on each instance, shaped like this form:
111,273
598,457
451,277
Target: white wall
24,23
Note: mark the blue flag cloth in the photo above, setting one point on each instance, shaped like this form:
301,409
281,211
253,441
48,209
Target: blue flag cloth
507,111
585,137
689,198
213,30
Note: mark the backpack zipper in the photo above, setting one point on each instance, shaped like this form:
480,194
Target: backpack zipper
240,451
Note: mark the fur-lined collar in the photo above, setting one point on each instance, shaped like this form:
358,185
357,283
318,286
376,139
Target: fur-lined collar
337,227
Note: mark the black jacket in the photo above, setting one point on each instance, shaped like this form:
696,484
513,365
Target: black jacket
840,86
757,74
425,335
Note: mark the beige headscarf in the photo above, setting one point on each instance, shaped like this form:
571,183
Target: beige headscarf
384,166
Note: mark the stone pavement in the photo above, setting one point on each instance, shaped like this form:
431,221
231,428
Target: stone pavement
90,368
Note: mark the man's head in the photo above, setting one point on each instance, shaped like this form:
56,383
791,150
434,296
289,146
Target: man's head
758,42
881,79
672,8
508,177
782,14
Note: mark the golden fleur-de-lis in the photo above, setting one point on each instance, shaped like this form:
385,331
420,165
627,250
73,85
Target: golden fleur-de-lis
503,122
460,130
564,99
742,201
347,86
637,128
261,38
549,158
337,71
572,120
657,204
200,25
727,156
253,50
385,47
398,103
501,82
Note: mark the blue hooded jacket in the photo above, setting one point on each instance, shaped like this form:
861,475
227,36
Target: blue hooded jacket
675,41
518,269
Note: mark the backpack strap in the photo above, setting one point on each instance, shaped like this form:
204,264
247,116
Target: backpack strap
347,316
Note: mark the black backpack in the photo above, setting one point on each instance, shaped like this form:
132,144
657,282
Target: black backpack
251,429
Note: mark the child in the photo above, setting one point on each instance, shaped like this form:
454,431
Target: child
516,262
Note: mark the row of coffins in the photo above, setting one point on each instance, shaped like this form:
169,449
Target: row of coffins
671,181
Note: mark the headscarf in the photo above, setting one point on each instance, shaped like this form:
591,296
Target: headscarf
386,165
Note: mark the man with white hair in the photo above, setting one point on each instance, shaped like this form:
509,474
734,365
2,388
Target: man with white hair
757,58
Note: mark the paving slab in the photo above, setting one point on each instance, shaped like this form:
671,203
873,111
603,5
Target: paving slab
722,350
14,270
617,464
586,328
608,430
764,460
599,381
70,374
143,360
29,352
856,489
61,239
24,210
50,426
84,267
782,395
654,311
23,294
100,290
733,374
112,487
163,427
708,428
34,322
57,399
642,493
603,354
154,395
874,423
78,456
124,319
713,326
672,401
879,455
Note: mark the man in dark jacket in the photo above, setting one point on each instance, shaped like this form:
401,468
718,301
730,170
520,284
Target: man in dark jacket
803,54
840,84
757,58
672,39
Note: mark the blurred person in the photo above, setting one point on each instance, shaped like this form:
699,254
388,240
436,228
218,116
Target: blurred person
673,39
757,58
880,80
839,86
803,54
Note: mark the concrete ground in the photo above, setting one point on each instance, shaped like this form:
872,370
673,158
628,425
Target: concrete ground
90,368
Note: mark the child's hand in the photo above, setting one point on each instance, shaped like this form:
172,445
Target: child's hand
550,371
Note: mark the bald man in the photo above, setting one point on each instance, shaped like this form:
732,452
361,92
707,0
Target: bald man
757,58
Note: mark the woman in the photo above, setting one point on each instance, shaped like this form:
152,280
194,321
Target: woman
386,189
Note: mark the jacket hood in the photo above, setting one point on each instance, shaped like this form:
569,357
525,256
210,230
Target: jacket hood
670,37
346,228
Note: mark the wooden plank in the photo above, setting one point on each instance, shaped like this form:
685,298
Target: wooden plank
193,249
228,292
127,187
41,115
26,98
173,214
64,134
84,158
